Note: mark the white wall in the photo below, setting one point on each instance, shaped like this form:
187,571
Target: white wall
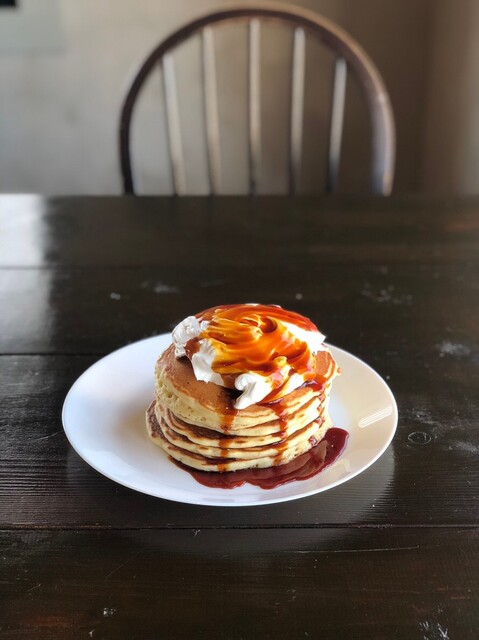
59,105
450,162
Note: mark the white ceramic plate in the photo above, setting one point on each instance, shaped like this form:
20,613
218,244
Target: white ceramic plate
104,420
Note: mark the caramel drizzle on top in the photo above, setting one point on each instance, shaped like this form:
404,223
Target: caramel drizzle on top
252,338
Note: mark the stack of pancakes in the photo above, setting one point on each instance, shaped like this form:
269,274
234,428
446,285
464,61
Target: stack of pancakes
196,424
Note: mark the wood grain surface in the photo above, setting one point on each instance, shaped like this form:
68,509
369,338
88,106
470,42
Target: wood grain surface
315,583
391,553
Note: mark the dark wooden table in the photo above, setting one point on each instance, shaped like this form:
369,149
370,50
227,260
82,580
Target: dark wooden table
391,554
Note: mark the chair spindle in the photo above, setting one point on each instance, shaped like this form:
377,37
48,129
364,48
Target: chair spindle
173,125
297,108
211,110
336,126
254,107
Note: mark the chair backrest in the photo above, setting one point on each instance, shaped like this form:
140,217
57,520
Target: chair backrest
349,55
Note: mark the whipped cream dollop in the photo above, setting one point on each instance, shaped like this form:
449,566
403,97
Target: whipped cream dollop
263,351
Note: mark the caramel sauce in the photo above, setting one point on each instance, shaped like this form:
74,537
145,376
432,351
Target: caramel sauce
253,338
228,417
305,466
280,411
318,387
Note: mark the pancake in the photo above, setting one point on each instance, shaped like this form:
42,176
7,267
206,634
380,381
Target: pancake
195,423
156,431
210,405
243,453
208,437
241,387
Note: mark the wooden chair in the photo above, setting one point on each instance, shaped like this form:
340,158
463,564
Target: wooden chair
349,56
